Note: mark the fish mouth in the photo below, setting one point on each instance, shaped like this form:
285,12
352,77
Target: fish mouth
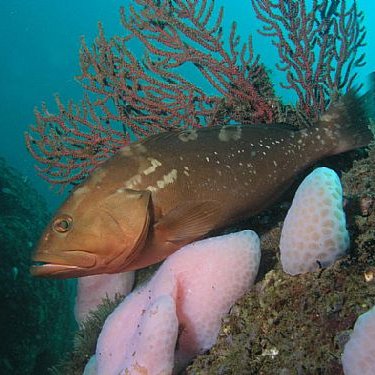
72,263
62,271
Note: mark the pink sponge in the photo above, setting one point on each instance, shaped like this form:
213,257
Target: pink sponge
154,341
92,289
314,233
359,353
195,287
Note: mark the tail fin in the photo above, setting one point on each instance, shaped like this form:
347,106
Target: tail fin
347,124
368,99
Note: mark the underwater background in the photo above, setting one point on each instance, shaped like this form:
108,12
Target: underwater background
40,41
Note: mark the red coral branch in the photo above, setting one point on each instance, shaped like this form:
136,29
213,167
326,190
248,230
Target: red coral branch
130,97
318,47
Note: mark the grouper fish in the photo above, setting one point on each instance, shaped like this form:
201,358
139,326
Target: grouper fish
156,195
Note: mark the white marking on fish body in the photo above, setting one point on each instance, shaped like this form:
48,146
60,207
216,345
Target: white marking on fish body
135,149
98,175
167,179
81,190
126,151
188,135
170,177
153,189
229,133
133,181
329,117
154,164
80,194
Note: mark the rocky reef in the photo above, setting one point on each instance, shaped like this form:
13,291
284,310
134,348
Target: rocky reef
36,316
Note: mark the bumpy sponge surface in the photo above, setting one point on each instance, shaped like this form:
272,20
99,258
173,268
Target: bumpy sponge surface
359,352
314,234
183,303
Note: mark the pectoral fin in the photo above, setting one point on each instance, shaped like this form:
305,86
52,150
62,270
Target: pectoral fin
189,221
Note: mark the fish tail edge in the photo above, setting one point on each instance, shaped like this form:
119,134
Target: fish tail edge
347,124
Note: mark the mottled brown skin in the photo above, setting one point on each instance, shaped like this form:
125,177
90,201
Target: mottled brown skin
157,195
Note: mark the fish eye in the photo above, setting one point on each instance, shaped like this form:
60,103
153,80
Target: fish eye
62,224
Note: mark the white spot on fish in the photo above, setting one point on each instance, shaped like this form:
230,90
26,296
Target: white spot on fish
188,135
230,133
167,179
98,175
81,190
133,150
152,189
329,117
133,181
154,164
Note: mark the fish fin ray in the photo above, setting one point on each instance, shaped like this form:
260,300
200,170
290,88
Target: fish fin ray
189,221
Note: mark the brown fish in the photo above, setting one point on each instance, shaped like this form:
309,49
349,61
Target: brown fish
159,194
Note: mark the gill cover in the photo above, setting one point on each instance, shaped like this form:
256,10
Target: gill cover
130,210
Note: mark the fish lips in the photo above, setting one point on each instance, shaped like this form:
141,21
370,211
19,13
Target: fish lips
70,263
